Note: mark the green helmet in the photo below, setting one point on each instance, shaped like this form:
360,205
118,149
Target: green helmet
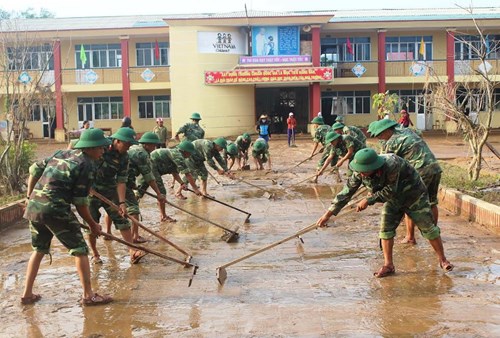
195,116
339,118
331,136
258,146
246,136
186,146
377,127
91,138
366,160
125,134
149,137
317,120
232,149
221,142
338,125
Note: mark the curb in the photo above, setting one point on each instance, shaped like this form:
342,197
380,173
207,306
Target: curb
11,213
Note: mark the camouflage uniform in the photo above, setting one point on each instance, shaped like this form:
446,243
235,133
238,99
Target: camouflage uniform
139,164
355,132
319,137
208,151
341,149
192,131
406,144
242,146
161,132
263,154
226,155
398,185
164,161
64,179
113,169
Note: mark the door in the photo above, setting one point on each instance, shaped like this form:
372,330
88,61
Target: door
48,121
422,118
85,114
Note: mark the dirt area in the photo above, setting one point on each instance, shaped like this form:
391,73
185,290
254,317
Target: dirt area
322,287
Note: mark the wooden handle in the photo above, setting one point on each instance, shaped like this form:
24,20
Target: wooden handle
223,203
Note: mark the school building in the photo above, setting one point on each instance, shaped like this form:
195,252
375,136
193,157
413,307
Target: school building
233,67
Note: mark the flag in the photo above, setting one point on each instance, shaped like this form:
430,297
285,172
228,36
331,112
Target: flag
83,56
157,51
349,47
421,51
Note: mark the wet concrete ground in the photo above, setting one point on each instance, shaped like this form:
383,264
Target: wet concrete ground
323,287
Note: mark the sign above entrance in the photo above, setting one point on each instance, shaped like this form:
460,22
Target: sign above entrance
273,75
250,60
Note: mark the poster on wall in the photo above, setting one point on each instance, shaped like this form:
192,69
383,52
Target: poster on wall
275,40
222,42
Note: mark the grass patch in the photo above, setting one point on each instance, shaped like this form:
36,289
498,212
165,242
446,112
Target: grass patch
455,177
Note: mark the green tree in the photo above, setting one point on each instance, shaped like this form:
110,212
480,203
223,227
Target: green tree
385,103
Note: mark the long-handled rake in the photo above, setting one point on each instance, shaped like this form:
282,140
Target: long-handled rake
247,220
221,272
154,233
271,194
275,180
229,235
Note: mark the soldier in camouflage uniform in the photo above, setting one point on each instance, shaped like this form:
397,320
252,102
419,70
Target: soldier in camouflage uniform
342,148
170,161
243,143
406,144
230,154
260,154
355,132
207,150
111,179
320,129
391,180
140,164
192,131
54,184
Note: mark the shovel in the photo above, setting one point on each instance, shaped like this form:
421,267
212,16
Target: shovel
247,220
114,206
229,235
221,272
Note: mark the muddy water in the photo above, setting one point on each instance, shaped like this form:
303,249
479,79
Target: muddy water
323,287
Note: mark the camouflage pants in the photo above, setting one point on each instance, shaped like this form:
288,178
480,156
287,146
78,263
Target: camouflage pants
419,211
66,229
432,183
131,202
324,156
197,168
95,204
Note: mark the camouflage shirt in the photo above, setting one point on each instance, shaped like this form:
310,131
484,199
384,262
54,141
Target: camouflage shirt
113,169
355,132
320,133
264,151
207,149
192,131
138,164
406,144
161,132
169,161
345,143
241,144
395,180
64,178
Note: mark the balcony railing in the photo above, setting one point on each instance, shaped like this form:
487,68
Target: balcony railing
469,67
344,69
140,74
416,68
114,75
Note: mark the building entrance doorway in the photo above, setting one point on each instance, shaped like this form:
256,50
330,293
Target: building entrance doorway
278,102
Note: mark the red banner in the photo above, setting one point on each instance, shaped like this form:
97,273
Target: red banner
241,76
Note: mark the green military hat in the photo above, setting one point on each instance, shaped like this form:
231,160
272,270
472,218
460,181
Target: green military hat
195,116
338,125
377,127
91,138
331,136
186,146
232,149
125,134
149,137
258,146
318,120
340,119
366,160
221,142
246,136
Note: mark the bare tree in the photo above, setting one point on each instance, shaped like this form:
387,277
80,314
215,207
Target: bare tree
24,65
469,103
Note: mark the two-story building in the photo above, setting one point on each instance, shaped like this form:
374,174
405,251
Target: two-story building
233,67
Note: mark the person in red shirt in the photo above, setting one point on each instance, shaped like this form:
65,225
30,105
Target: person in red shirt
292,125
404,120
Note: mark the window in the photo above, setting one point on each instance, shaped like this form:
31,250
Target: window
154,106
469,47
99,56
472,100
146,55
347,102
398,48
410,100
31,58
496,99
100,108
335,50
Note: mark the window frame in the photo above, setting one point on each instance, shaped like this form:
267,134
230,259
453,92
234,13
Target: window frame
147,49
148,106
107,55
101,106
361,47
394,44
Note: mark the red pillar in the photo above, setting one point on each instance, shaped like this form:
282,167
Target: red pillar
58,85
450,57
381,61
314,88
125,77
